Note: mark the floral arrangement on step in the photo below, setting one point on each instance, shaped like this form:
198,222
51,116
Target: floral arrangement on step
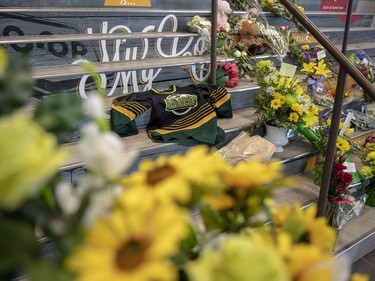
368,168
341,205
228,75
282,102
366,66
181,217
270,6
316,72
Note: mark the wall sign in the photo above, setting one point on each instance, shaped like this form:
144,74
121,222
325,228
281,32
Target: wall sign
128,3
333,5
337,6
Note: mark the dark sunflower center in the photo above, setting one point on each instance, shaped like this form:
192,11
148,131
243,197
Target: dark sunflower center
131,254
159,174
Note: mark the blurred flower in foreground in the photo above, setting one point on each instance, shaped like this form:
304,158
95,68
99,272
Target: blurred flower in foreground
238,258
104,152
132,245
29,158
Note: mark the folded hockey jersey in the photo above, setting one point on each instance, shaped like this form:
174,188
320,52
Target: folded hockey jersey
186,115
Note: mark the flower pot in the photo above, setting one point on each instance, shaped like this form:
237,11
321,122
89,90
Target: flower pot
277,136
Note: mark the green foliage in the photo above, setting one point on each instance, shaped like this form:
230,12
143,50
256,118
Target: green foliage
60,114
15,83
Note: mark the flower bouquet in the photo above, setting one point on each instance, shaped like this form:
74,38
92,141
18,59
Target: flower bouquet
316,75
182,217
282,102
344,181
365,64
368,169
227,75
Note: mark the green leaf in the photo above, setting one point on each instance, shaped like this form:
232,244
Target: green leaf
18,244
46,271
60,114
16,86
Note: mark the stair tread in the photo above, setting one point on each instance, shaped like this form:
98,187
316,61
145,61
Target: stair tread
115,66
142,142
87,37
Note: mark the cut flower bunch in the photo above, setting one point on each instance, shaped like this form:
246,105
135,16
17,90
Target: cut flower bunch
282,102
183,217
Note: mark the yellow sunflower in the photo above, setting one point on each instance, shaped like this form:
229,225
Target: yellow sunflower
252,174
132,243
342,144
163,178
276,104
294,117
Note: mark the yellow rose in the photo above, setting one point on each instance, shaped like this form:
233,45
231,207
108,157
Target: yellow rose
28,159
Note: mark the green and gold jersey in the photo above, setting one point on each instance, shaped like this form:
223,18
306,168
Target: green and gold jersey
186,115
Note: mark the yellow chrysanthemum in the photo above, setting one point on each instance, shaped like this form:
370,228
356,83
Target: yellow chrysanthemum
133,243
238,258
297,108
342,144
370,155
270,2
368,171
293,117
321,69
308,67
305,47
276,104
252,174
279,96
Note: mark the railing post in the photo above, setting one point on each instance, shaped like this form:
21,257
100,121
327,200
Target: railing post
335,123
214,10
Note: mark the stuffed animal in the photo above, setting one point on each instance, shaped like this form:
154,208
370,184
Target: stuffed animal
222,17
252,43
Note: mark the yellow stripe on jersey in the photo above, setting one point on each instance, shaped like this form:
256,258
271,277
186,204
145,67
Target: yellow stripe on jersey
193,126
206,109
124,111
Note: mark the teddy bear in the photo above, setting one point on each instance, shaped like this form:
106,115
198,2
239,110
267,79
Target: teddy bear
222,16
250,32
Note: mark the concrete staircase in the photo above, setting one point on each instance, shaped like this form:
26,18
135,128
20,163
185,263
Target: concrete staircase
56,37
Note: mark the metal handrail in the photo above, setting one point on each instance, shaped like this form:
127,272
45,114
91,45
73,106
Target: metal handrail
345,67
328,45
